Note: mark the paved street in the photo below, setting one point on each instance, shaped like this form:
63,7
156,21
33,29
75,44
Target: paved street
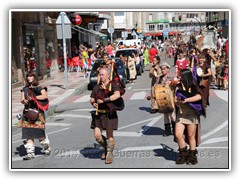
139,139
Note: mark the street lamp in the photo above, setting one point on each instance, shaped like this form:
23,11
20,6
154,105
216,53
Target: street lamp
200,24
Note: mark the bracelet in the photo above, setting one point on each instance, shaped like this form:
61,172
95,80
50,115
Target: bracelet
107,99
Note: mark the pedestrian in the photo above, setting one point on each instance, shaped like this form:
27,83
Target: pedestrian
105,117
204,80
131,66
181,63
225,77
35,99
154,73
146,56
169,117
187,129
152,53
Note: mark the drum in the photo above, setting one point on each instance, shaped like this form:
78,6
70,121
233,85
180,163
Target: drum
199,71
164,98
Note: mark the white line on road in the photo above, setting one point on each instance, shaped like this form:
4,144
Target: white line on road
129,88
214,130
85,98
139,95
216,140
140,122
73,116
149,125
222,94
58,124
144,89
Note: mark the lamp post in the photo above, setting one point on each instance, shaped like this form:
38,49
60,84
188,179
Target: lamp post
200,24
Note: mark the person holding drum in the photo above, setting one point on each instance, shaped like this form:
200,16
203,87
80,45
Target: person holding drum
154,73
204,75
169,117
188,101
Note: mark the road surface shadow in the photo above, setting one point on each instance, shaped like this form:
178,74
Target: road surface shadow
147,109
166,152
21,151
149,130
91,152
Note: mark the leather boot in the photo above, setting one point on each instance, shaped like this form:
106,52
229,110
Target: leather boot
110,148
167,131
192,157
103,143
182,156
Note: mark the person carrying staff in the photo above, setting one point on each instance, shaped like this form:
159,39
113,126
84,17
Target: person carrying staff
104,99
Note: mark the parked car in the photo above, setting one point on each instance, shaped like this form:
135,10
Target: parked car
94,72
128,42
139,62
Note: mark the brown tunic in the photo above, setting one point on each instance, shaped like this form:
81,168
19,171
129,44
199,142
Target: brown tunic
205,90
108,120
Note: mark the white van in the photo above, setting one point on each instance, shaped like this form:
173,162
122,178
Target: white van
128,42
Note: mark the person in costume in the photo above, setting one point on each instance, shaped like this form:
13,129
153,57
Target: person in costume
34,97
169,117
106,101
188,100
205,77
154,73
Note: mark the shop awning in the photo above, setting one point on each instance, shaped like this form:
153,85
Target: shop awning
84,31
153,34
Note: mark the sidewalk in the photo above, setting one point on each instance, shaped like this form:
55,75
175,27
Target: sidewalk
56,92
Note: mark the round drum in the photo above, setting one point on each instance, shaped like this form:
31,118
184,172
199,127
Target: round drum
199,71
164,98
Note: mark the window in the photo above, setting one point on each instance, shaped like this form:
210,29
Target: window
159,27
151,27
166,25
150,17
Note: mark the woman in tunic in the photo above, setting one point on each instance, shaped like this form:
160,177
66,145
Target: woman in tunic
187,129
35,97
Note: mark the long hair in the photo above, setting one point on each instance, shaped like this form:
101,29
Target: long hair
35,81
186,78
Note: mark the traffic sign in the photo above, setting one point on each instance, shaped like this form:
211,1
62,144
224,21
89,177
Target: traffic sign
110,30
63,22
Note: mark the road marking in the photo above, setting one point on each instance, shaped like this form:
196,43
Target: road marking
222,94
73,116
139,95
85,98
214,130
149,125
58,124
141,148
125,134
129,88
83,110
216,140
140,122
145,89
